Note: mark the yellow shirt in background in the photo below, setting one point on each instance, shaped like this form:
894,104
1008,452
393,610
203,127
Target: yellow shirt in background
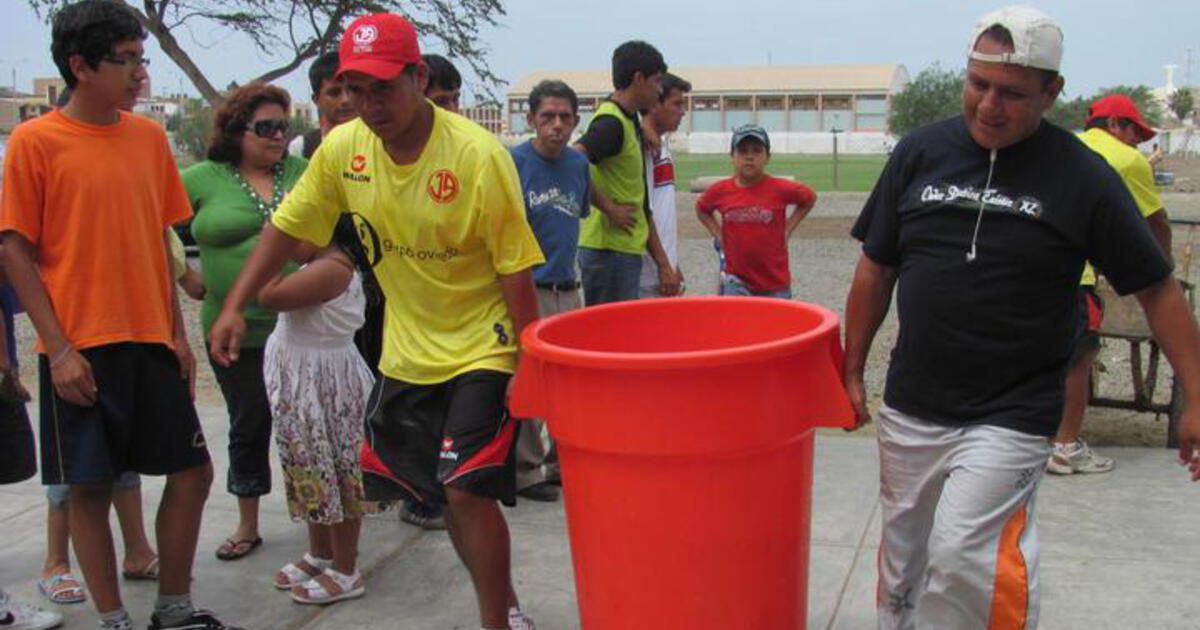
1135,171
179,264
438,233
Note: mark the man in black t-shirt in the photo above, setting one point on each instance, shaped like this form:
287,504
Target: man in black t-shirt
982,224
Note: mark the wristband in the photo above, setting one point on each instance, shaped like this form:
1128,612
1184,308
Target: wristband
62,354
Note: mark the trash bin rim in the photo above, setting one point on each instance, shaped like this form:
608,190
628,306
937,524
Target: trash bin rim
533,345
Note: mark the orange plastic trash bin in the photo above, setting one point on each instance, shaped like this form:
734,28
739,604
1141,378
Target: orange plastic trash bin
684,431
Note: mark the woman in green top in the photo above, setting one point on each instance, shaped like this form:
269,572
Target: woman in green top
233,193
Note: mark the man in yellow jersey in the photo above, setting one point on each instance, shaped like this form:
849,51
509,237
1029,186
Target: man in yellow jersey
440,212
1113,129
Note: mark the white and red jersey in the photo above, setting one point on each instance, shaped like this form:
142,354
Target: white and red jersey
660,179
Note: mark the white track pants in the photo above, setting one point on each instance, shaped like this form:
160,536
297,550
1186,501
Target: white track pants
960,547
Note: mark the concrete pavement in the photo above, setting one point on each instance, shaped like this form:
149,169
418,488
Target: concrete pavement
1119,551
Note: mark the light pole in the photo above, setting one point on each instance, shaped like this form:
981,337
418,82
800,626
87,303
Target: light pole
13,63
835,131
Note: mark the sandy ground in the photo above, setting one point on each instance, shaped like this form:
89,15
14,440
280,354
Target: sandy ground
1186,170
822,262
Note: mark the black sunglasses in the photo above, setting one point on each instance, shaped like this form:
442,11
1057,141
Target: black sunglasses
268,127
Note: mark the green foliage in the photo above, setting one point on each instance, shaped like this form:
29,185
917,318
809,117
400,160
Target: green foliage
1069,114
1182,103
1072,114
300,126
934,94
195,129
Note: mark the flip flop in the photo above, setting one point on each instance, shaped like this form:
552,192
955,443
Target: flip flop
148,572
233,549
62,588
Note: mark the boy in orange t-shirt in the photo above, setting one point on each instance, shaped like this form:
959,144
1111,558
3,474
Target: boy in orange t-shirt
90,193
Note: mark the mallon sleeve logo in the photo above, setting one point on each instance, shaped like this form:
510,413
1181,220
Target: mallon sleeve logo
358,164
443,186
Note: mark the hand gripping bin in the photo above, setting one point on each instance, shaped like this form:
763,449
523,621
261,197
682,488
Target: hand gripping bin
685,436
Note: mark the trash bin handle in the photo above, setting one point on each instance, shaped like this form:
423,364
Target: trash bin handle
527,398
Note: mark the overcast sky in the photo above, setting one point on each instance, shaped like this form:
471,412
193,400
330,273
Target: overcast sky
1107,42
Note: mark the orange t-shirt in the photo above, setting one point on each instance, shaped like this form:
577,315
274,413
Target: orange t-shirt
95,201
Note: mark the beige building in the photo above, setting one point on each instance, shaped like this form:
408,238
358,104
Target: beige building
796,99
17,109
486,116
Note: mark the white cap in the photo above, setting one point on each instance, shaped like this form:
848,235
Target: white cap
1037,39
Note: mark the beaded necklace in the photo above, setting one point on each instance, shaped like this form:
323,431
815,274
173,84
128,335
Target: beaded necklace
265,208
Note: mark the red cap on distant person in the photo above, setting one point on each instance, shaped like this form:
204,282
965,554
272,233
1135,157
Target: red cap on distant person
1120,106
381,45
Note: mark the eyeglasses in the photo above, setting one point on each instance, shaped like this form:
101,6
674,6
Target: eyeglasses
268,127
128,60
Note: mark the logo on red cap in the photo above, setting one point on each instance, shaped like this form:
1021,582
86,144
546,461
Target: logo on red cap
363,37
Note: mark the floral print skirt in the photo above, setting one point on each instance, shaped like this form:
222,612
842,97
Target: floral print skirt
318,402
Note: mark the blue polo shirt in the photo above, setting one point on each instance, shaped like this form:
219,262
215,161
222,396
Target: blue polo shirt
555,193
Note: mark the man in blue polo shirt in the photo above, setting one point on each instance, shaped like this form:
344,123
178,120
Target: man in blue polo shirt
555,185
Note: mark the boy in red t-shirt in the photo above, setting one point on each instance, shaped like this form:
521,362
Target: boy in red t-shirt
754,226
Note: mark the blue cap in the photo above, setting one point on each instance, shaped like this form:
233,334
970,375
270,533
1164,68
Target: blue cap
749,131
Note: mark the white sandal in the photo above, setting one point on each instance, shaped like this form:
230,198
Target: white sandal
328,588
294,573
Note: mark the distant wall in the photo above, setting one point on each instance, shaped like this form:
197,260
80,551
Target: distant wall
855,142
1175,141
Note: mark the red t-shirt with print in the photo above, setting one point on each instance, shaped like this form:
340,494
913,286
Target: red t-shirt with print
753,227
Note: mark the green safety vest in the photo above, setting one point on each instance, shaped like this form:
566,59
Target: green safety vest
622,178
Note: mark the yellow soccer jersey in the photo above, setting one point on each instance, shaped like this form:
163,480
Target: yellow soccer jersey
437,231
1135,171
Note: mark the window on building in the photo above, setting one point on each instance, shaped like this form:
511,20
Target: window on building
871,113
770,103
837,113
738,112
804,113
706,113
871,104
771,115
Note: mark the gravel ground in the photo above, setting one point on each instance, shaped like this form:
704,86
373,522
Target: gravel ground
822,263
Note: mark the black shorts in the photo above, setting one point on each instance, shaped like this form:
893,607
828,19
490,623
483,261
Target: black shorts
1089,315
17,459
420,438
143,419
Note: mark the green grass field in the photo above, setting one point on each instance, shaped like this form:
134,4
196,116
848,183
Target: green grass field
855,172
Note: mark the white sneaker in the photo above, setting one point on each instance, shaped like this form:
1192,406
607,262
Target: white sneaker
26,617
518,620
1077,457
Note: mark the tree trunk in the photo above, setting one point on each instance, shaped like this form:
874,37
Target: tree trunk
152,22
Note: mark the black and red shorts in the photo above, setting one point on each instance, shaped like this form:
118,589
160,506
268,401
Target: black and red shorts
1090,314
421,438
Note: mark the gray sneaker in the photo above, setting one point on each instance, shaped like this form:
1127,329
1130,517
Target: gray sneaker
422,515
1077,457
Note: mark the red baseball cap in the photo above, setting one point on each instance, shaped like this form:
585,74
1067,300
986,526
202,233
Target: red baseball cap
380,45
1120,106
